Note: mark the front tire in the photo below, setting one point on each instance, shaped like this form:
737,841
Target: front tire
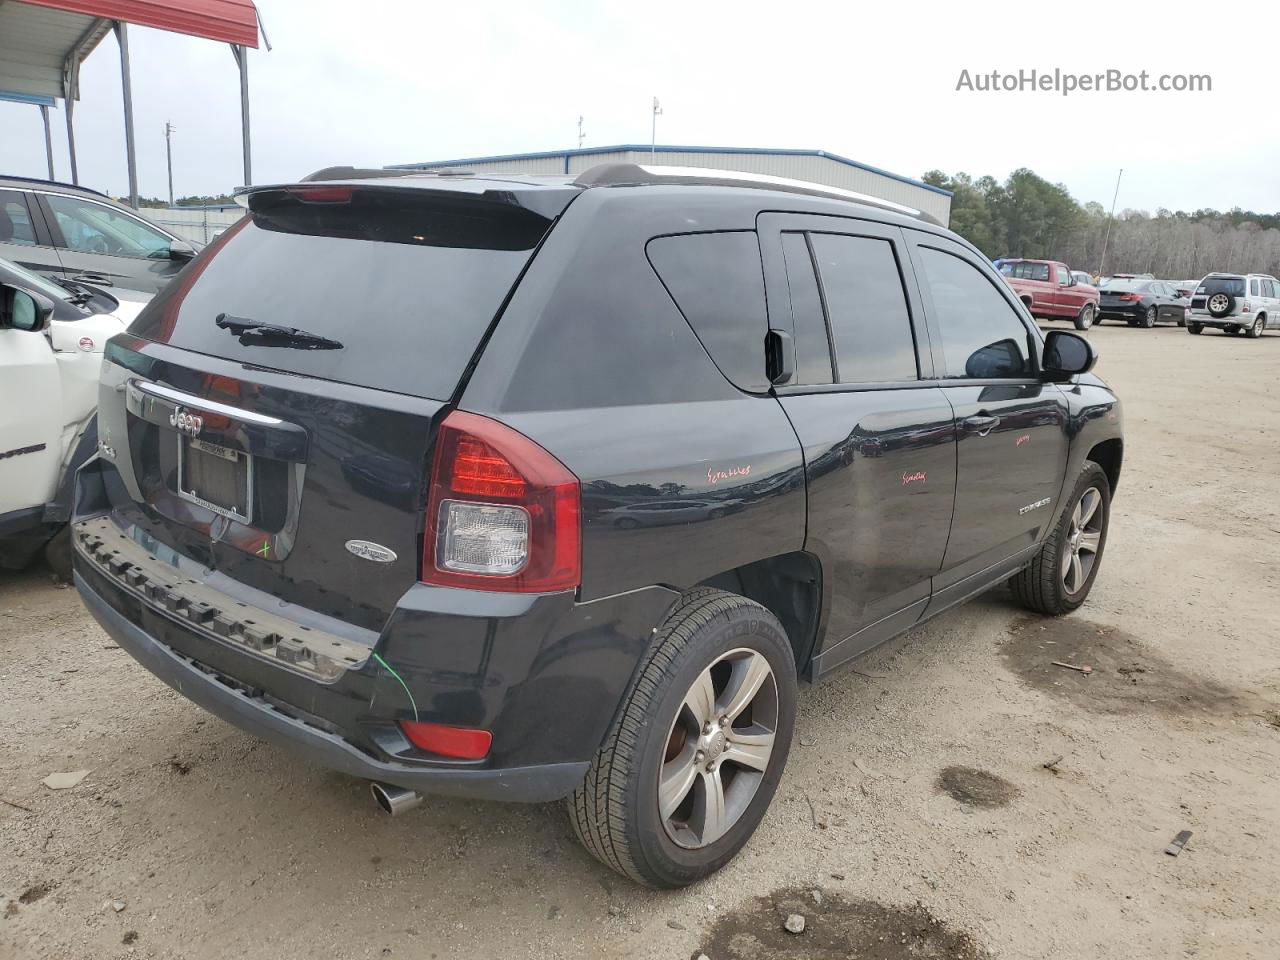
1085,320
1062,573
1196,328
673,795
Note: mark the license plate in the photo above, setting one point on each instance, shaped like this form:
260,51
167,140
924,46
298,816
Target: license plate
216,477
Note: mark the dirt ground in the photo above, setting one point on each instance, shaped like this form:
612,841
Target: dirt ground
956,796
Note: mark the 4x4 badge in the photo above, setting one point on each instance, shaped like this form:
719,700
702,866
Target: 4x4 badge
371,551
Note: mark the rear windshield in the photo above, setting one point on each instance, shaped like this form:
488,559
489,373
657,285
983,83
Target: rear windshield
406,280
1230,285
1122,286
1022,270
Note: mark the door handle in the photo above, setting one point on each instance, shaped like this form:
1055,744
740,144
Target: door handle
982,424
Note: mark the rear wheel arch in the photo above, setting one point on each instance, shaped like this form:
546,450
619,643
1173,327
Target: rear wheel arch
790,587
1109,455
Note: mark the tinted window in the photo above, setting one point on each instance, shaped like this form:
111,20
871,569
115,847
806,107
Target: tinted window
1122,286
15,222
1024,270
717,282
1231,285
408,281
89,227
866,308
982,336
813,346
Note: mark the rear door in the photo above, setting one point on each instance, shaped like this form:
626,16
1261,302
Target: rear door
267,459
30,418
24,239
878,436
1011,427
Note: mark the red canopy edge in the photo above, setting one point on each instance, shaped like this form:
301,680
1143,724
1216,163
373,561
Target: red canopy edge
229,21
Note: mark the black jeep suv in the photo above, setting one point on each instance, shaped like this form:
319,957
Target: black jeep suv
535,488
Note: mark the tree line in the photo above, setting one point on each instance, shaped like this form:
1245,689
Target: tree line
1027,216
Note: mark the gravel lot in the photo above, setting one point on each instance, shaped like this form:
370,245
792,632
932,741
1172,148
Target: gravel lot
916,818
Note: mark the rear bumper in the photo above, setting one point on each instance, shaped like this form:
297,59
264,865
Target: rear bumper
1204,320
531,784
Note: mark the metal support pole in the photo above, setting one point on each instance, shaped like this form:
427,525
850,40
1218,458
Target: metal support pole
122,37
242,60
168,155
70,104
48,138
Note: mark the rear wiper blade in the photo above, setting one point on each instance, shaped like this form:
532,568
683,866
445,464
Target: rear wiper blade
253,333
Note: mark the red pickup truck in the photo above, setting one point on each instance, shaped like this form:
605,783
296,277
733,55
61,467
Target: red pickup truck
1051,292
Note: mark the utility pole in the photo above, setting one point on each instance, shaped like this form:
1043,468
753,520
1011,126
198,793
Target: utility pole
1107,235
168,152
653,141
581,136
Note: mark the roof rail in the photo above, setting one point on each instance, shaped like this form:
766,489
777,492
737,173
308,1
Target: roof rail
52,183
636,174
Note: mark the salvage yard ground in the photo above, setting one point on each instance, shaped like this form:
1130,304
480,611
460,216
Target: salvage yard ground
957,796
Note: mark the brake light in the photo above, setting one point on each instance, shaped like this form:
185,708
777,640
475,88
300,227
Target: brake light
502,513
1130,297
1246,307
460,743
309,194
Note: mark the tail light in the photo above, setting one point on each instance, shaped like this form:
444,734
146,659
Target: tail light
1130,297
1246,307
502,513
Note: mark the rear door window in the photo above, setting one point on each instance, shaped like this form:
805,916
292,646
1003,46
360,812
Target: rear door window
91,227
812,339
15,219
866,308
717,282
983,337
407,280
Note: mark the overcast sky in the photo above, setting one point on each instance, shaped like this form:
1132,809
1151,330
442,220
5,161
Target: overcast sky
392,82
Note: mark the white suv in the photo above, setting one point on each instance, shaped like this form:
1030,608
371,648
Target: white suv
1235,303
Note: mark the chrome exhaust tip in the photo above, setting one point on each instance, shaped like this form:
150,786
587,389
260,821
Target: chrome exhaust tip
392,799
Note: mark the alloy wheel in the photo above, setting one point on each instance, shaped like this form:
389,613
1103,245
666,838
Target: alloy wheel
1084,538
1150,319
718,749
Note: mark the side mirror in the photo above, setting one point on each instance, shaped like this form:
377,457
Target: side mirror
22,309
181,250
1066,355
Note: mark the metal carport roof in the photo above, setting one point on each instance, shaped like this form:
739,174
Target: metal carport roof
43,43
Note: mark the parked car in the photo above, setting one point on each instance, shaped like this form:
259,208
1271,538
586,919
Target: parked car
1142,303
1083,277
1235,303
1185,288
544,352
61,230
1051,291
52,337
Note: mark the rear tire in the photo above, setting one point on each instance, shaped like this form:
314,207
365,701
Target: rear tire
616,812
1259,325
1085,320
57,554
1149,318
1052,585
1196,328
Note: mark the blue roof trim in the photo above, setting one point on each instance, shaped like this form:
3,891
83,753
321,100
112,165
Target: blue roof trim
645,148
33,98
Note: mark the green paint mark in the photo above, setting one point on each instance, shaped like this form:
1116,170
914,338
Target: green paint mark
413,703
265,549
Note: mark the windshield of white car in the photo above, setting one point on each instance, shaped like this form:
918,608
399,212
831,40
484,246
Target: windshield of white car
35,281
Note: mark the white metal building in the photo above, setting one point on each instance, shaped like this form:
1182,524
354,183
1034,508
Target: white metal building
816,166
